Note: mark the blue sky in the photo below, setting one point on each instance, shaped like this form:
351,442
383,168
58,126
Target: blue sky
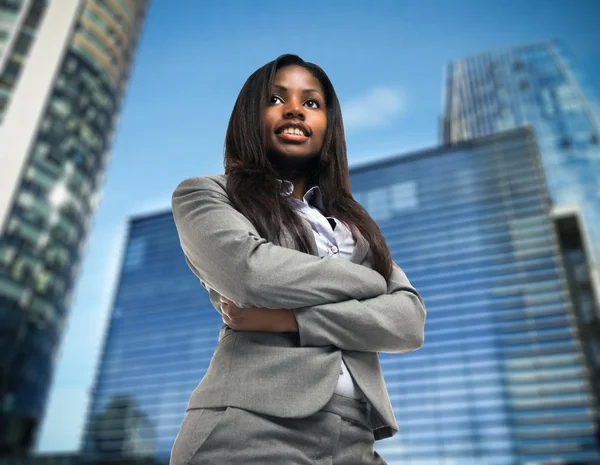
385,58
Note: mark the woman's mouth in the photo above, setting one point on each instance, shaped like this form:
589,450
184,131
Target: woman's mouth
292,134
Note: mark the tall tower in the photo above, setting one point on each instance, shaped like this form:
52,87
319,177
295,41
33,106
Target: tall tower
539,85
64,67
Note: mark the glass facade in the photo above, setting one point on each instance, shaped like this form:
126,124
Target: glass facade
538,85
19,20
54,203
500,379
161,337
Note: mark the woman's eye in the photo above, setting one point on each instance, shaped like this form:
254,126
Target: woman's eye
312,103
274,99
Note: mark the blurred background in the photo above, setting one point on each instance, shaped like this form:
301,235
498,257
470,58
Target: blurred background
473,140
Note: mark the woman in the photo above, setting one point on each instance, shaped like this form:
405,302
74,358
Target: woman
304,281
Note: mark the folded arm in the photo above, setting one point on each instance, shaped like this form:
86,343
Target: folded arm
222,247
392,322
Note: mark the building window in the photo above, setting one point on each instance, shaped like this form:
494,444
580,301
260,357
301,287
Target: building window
595,351
565,143
404,195
136,251
377,203
519,65
567,99
71,65
11,72
22,44
547,101
46,124
594,139
524,85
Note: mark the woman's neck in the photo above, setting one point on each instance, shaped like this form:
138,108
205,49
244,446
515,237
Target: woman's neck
295,171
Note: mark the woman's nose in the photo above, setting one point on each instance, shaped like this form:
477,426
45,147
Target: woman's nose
294,109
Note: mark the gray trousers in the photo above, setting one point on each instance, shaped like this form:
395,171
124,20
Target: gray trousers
339,434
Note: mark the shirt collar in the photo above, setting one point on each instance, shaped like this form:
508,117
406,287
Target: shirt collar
313,195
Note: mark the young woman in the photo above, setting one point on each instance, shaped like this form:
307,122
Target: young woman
304,281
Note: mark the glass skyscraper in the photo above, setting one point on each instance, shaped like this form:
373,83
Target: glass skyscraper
160,339
71,60
538,85
500,379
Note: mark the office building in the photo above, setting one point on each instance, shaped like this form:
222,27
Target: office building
540,85
161,336
500,379
64,67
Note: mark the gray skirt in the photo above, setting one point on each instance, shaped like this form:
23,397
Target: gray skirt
339,434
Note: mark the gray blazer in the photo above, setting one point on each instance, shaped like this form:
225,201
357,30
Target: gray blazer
344,309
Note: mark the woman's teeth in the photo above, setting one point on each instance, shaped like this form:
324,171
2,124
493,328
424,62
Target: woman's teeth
293,131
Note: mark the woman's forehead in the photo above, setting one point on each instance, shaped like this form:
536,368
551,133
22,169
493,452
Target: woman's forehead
296,76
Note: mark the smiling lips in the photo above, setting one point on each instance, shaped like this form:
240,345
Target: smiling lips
293,132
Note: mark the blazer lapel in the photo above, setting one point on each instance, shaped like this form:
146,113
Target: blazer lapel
361,249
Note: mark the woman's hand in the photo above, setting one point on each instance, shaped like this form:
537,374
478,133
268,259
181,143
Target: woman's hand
278,320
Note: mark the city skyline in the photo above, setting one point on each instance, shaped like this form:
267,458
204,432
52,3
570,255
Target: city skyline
174,120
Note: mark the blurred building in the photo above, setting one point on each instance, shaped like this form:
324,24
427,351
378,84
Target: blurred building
161,336
537,85
540,85
500,379
72,459
19,24
64,66
136,436
43,459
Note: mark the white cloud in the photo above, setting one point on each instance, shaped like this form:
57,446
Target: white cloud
377,107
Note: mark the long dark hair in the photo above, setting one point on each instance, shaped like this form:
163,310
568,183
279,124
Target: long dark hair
252,184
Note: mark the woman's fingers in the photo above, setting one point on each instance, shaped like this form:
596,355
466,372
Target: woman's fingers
232,315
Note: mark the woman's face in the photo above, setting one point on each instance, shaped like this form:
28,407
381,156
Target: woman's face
295,117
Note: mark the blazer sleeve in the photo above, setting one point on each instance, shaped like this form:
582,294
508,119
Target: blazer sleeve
224,250
393,322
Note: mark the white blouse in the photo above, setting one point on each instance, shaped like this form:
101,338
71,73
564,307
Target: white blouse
334,239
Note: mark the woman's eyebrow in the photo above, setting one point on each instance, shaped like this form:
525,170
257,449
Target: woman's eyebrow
305,91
